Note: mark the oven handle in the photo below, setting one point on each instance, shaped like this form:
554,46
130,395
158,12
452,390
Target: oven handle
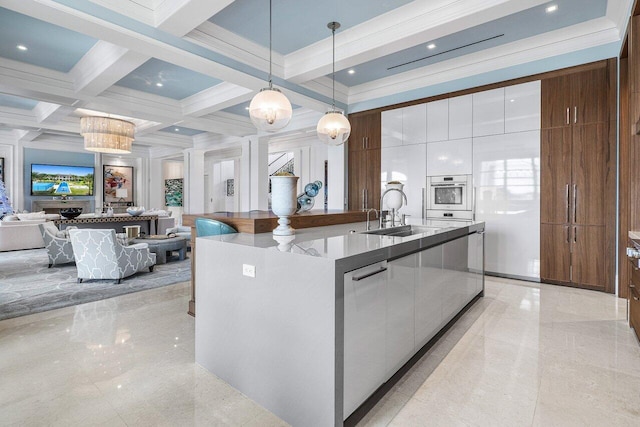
450,184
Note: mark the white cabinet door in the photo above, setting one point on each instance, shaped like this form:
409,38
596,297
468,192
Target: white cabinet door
406,164
392,128
429,291
414,124
506,176
461,117
450,157
364,333
522,107
488,112
400,340
438,120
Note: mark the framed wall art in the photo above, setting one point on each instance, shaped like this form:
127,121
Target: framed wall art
173,192
118,184
230,187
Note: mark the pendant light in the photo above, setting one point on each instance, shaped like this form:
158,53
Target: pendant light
107,135
270,110
333,128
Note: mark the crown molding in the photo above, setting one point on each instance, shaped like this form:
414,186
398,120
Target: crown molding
215,99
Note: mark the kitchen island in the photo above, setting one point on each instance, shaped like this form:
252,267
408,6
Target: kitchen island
312,325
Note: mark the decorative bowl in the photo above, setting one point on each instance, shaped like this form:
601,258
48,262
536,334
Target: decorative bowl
135,210
70,213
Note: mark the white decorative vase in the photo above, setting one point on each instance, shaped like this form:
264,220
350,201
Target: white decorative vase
394,198
284,202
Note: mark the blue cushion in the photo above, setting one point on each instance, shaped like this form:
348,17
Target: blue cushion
211,227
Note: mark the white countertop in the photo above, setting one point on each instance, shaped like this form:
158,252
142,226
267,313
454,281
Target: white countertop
338,241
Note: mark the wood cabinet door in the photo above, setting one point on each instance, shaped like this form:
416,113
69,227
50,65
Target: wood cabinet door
589,91
372,169
356,137
588,257
555,175
555,253
357,168
373,132
589,165
555,111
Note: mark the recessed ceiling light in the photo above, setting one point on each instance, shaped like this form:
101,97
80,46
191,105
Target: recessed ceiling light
431,46
159,84
352,71
21,47
176,129
552,8
512,100
246,108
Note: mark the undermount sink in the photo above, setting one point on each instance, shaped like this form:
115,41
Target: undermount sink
404,230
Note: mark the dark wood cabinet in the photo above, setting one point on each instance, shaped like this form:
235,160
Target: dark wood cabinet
555,175
577,177
575,99
555,253
364,161
634,297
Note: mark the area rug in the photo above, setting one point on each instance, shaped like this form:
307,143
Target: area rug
27,286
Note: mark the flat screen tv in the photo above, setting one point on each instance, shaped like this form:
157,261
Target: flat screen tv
58,180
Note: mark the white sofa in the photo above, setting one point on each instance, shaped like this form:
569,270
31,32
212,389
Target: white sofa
17,235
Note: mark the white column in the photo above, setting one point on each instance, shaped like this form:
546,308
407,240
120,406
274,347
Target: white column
259,173
193,181
156,184
336,177
243,183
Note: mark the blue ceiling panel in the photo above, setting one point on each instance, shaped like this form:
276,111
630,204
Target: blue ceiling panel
180,130
528,23
243,109
176,82
297,23
47,45
17,102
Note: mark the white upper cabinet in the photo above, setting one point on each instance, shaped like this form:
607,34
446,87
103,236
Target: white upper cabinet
488,112
392,128
414,124
406,164
461,117
438,120
450,157
522,107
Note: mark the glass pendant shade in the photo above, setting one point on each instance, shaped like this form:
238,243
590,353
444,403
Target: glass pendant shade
107,135
333,128
270,110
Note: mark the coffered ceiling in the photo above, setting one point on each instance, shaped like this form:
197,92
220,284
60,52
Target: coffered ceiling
193,65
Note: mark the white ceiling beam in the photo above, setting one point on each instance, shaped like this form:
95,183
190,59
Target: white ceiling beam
178,17
103,66
46,112
215,99
417,22
27,135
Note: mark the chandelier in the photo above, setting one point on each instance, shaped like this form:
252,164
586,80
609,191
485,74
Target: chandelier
333,128
107,135
270,110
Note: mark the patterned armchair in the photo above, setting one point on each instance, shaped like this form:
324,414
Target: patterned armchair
58,248
100,256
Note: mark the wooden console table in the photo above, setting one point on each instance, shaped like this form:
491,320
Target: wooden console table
148,223
264,222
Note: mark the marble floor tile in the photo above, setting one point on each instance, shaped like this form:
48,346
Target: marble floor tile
526,354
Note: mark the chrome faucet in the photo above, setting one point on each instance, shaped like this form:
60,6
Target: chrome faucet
368,220
404,196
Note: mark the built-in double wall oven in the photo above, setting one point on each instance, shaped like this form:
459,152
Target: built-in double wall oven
450,197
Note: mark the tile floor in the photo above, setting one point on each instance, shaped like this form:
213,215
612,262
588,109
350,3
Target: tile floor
524,355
